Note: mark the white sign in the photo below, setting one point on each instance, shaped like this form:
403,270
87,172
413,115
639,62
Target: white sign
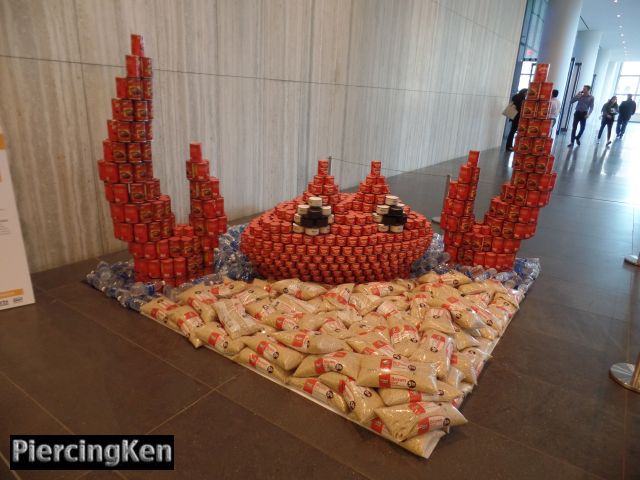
15,282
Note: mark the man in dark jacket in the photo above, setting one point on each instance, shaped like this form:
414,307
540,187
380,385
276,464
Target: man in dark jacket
625,111
517,100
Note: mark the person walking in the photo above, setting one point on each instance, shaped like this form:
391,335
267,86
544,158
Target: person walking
554,111
517,100
609,112
584,108
627,109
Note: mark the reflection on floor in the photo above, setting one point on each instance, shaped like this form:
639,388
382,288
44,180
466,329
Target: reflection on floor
545,408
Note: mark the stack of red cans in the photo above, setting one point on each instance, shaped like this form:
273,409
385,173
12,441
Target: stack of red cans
350,250
141,214
513,215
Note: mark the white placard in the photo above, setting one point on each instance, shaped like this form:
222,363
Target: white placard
15,282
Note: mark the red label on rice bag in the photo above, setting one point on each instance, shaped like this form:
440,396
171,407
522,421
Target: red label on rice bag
430,423
329,363
377,425
398,334
417,408
267,350
309,385
299,339
283,323
388,380
414,396
217,338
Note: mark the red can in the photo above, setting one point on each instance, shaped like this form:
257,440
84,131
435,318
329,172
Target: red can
213,226
545,181
166,267
528,109
508,193
523,126
134,89
533,197
117,212
513,213
163,249
137,191
134,153
543,109
533,180
524,214
199,226
109,172
147,89
545,127
146,151
108,193
534,128
546,90
220,206
126,232
139,172
138,131
122,131
533,93
155,231
542,70
520,231
120,193
150,251
121,87
131,213
140,110
141,232
466,173
490,260
145,211
462,191
544,198
175,246
472,158
522,145
497,245
520,197
133,65
507,229
519,179
146,67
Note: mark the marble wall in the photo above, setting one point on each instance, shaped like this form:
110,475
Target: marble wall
267,86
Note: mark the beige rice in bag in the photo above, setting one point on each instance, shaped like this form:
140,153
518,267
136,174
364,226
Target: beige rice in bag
260,309
375,342
438,319
318,303
227,289
505,301
405,283
214,335
284,357
464,339
454,279
361,401
348,317
341,362
377,425
437,348
338,297
252,294
186,319
311,322
374,319
423,445
299,289
430,277
467,364
201,300
388,372
482,299
398,396
473,288
310,342
320,391
261,364
454,378
419,307
364,303
432,291
234,319
159,308
333,326
283,321
411,419
462,314
380,289
287,304
404,336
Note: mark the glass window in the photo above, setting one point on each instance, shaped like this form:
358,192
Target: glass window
627,85
630,68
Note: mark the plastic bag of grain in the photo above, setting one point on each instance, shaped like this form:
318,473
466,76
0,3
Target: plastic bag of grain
400,302
310,342
388,309
431,291
227,289
311,321
186,319
261,364
464,340
429,277
298,289
374,319
505,301
482,299
411,419
419,307
404,336
375,342
468,365
348,317
423,445
364,303
283,321
405,284
461,313
214,335
473,288
388,372
361,401
159,308
234,319
252,294
338,297
333,326
320,391
201,300
437,348
260,309
341,362
454,278
399,396
377,425
454,378
319,304
284,357
285,303
380,289
438,319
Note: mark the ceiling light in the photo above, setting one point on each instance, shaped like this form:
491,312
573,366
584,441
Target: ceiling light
619,26
622,34
618,15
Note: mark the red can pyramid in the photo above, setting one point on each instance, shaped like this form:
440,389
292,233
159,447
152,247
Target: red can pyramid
513,215
332,237
141,214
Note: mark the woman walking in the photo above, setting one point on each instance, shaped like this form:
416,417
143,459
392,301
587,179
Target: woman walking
609,112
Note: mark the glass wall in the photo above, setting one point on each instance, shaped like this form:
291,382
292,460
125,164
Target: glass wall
628,81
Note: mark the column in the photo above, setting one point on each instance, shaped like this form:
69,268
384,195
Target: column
558,37
600,91
585,51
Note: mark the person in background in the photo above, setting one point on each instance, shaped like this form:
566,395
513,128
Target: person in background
584,108
554,110
517,100
627,109
609,112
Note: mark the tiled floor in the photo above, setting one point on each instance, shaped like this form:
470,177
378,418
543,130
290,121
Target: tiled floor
545,407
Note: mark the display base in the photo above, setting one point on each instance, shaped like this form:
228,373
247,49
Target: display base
622,373
633,260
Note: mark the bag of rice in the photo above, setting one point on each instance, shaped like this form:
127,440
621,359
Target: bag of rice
319,304
436,348
398,396
409,420
430,277
464,340
473,288
419,307
380,289
260,309
235,320
431,291
333,326
364,303
340,362
159,308
298,289
287,304
388,309
338,297
201,300
454,278
374,319
375,342
400,302
361,401
462,314
320,391
505,301
454,378
467,365
283,321
187,320
310,342
423,445
388,372
377,426
438,319
404,336
251,358
251,294
481,299
485,345
284,357
214,335
227,289
405,284
311,322
348,317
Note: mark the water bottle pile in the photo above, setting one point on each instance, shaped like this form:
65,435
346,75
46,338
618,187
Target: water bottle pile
117,280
